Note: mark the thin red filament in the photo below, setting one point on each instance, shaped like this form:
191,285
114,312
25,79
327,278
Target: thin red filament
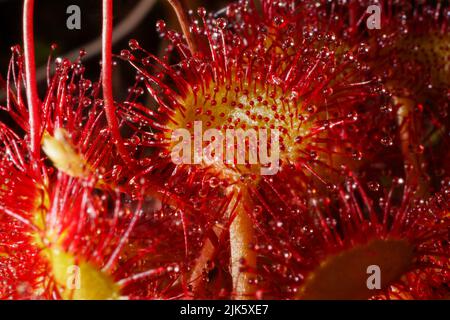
180,11
110,110
30,77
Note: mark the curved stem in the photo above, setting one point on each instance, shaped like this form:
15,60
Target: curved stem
241,235
30,77
110,110
409,144
180,11
207,253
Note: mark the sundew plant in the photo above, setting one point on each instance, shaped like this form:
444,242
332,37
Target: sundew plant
166,192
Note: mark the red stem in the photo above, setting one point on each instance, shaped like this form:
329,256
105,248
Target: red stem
30,77
110,110
180,11
353,16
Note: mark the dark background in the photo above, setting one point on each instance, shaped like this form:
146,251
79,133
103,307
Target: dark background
50,27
